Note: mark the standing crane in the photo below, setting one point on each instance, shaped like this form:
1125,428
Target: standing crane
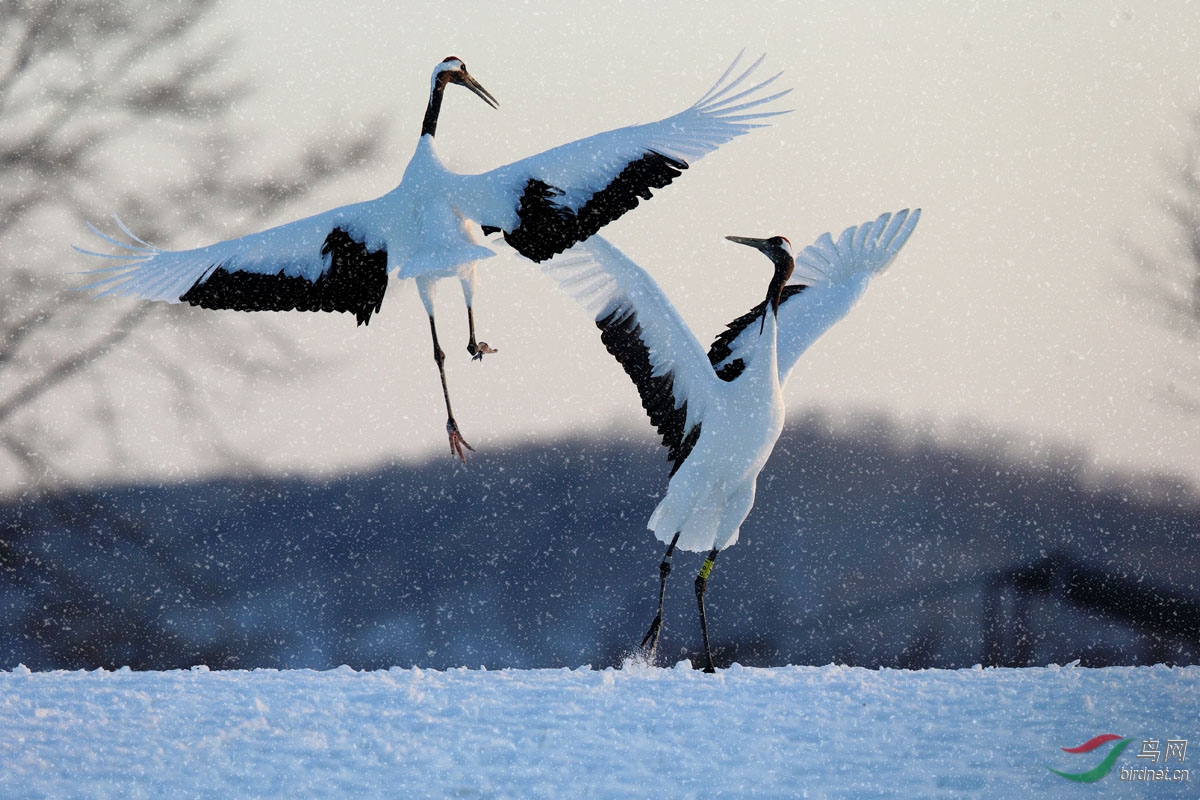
427,228
719,414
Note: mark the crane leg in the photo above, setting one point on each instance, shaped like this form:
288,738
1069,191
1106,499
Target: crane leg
457,442
477,351
650,640
701,585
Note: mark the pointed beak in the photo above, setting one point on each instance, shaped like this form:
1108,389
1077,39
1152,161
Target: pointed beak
757,244
477,87
783,270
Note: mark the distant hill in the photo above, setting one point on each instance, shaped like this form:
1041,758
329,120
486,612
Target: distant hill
866,547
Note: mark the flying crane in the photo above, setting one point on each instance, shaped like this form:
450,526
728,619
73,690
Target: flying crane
428,228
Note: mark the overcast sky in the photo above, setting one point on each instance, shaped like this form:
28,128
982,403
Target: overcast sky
1034,138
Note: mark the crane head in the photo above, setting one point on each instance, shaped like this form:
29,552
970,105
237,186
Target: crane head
453,70
779,250
774,248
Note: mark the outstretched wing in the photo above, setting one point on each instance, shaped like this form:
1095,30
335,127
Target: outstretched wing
326,262
548,202
644,332
829,278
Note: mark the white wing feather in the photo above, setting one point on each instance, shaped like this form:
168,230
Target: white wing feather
604,280
292,249
583,167
844,269
835,275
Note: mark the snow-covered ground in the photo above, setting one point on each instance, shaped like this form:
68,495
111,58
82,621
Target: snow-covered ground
636,732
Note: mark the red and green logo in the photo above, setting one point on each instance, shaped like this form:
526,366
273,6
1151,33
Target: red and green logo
1100,770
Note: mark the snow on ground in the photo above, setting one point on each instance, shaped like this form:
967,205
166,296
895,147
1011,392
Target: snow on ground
638,732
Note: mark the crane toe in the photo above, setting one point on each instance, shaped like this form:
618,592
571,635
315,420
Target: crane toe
650,640
480,350
457,442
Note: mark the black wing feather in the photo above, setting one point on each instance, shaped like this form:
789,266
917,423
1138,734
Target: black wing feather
355,282
622,336
547,228
722,346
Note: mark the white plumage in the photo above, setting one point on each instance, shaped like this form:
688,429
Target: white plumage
721,412
427,228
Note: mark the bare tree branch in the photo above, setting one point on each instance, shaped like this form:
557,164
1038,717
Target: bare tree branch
79,81
1168,275
1172,277
72,363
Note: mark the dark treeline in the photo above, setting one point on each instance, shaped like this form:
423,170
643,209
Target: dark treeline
866,546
